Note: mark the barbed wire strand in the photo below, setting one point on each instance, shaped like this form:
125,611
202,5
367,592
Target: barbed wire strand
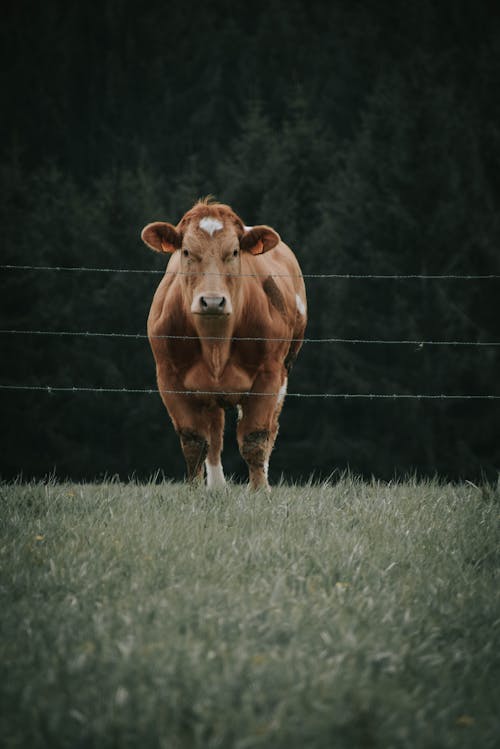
377,341
360,276
152,391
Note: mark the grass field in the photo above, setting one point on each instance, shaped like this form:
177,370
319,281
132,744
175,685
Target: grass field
344,614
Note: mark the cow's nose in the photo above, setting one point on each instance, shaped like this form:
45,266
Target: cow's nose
212,304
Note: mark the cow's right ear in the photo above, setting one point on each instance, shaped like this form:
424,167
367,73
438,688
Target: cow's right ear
259,239
161,237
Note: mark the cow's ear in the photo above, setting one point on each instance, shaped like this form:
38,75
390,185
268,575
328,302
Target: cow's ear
161,237
259,239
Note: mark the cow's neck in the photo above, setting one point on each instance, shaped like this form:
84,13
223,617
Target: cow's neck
215,352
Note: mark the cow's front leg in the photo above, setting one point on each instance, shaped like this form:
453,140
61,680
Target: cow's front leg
192,424
195,448
257,429
255,450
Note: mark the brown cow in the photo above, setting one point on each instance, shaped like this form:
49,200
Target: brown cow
219,289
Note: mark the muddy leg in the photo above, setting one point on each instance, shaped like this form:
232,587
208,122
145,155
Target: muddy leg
192,424
255,449
258,427
195,447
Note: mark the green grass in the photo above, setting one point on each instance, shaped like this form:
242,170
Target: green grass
339,615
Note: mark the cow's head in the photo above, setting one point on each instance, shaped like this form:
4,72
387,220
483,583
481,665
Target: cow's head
210,239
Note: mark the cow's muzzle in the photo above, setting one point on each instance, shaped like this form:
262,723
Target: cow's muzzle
211,304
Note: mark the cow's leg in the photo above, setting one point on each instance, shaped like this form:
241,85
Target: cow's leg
258,427
192,424
277,411
195,447
213,463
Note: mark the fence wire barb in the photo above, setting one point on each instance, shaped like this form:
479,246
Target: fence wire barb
359,276
151,391
378,341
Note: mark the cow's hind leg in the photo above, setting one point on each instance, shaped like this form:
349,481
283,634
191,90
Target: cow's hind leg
213,463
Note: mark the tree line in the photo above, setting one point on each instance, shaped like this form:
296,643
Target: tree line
368,135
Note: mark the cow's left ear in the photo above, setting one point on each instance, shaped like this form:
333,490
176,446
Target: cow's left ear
161,237
259,239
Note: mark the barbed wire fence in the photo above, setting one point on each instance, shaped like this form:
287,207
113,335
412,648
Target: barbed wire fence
367,276
13,387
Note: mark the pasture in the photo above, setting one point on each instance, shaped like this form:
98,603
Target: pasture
344,614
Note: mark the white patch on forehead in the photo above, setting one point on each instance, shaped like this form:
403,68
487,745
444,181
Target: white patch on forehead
282,392
211,225
300,305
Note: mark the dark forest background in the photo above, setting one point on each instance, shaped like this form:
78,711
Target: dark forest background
367,133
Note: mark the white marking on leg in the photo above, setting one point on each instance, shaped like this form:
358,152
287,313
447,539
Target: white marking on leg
266,468
211,225
300,305
215,476
239,412
282,392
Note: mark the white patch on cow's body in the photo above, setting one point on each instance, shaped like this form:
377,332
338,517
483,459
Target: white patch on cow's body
211,225
282,392
300,305
215,476
248,228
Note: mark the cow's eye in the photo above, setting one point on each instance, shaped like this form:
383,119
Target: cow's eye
236,253
185,253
